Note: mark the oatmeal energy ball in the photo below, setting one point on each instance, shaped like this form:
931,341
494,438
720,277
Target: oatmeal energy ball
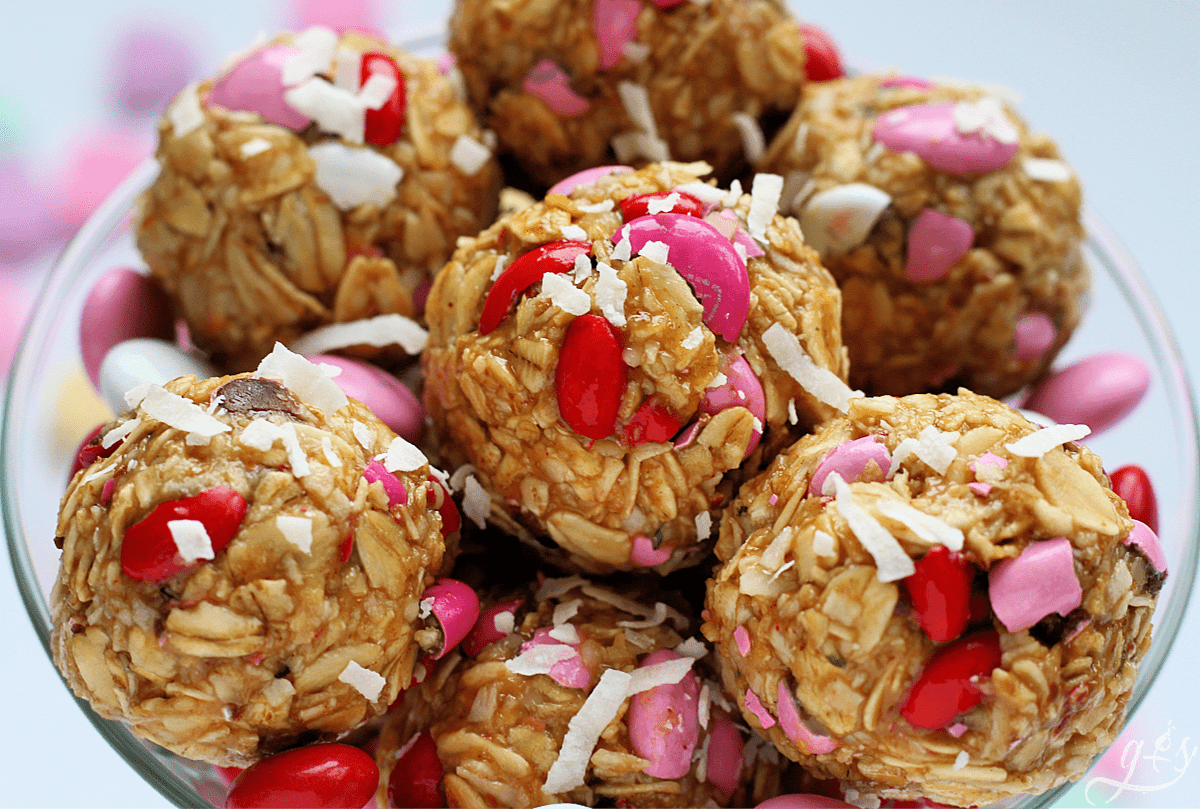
953,231
243,568
608,362
931,597
573,693
580,83
318,179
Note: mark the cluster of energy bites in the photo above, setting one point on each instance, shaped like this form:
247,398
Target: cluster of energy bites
714,397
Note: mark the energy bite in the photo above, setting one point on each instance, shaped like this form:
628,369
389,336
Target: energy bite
571,85
953,230
604,365
244,562
932,598
318,179
573,692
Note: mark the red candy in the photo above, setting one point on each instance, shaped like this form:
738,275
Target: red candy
523,273
148,551
320,775
651,423
439,500
590,378
940,589
1133,485
822,62
416,780
91,451
633,207
946,687
383,126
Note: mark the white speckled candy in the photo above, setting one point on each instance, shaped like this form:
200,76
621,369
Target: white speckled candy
255,84
1098,391
122,305
145,359
937,134
839,218
850,460
1039,581
664,722
935,244
383,394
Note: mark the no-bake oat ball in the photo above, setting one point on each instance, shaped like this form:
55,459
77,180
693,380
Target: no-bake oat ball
570,85
605,364
931,597
317,179
243,567
952,228
574,692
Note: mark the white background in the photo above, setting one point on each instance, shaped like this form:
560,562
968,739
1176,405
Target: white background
1116,83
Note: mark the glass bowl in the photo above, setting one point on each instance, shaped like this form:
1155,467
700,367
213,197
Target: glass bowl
39,442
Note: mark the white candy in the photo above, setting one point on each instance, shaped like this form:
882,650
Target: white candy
839,218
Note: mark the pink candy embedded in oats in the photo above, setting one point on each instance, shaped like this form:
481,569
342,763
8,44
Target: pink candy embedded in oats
699,253
572,672
643,553
456,608
255,84
905,81
1039,581
615,24
585,177
377,473
935,244
794,727
741,389
495,623
1143,537
548,81
754,705
851,460
664,721
1097,391
940,137
1034,336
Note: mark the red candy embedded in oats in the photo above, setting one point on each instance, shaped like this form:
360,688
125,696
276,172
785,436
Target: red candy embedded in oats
684,203
320,775
940,589
441,502
947,686
523,273
383,125
590,378
822,62
1133,485
91,450
149,550
416,779
651,423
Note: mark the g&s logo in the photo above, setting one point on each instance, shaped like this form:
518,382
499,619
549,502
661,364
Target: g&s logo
1163,767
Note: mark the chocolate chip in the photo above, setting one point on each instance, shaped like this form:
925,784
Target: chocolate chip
251,394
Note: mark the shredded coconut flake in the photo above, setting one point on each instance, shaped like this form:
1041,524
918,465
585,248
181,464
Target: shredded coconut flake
655,251
469,155
1037,444
623,249
333,109
764,203
540,659
573,233
553,588
822,544
754,143
347,69
255,146
363,680
260,434
191,540
297,458
692,647
583,732
961,760
703,707
182,414
704,523
377,90
603,206
566,610
694,339
314,49
564,633
185,113
353,176
477,503
303,378
501,261
658,617
636,101
664,204
927,527
936,448
560,291
610,293
1046,169
504,622
822,383
773,556
364,434
708,194
734,194
403,457
668,672
331,457
296,530
378,331
891,562
119,433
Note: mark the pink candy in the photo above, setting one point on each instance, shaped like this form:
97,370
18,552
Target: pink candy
456,608
932,131
935,244
255,84
385,395
664,724
699,253
906,81
1144,538
794,727
615,25
803,801
754,705
122,305
547,81
850,459
1033,336
1098,391
724,763
572,672
585,177
376,472
486,631
1039,581
643,553
741,389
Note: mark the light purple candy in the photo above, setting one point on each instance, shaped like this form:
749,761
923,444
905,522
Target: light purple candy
456,608
376,472
152,63
255,84
340,15
586,177
1144,537
741,389
122,305
936,242
1041,580
703,256
1033,336
29,218
383,394
850,459
931,132
803,801
724,763
664,723
1098,391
